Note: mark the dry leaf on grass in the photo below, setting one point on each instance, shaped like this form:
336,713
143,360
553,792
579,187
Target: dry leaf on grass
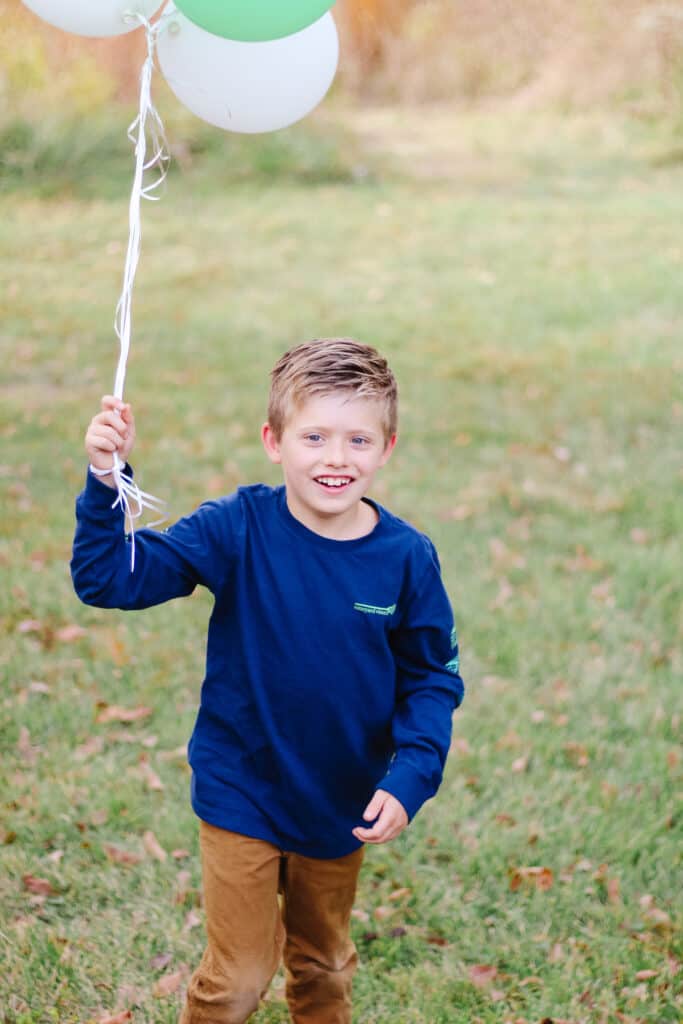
120,856
170,983
118,1018
117,713
29,626
399,894
67,634
505,819
150,777
161,961
153,846
192,920
93,745
39,886
27,751
183,886
382,913
537,877
556,953
482,975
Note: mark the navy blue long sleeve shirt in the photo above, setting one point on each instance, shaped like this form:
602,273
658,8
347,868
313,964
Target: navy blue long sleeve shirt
332,666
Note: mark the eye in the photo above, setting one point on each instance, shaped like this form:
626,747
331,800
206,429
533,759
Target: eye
313,438
360,442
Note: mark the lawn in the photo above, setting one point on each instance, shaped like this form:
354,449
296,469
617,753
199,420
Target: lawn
526,286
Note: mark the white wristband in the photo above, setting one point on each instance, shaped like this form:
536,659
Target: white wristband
100,472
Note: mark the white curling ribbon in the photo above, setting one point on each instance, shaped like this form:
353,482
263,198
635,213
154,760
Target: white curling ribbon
146,126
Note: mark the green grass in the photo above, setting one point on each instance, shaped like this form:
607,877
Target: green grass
533,315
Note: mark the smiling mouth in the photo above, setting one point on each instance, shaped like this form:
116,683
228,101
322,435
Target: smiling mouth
333,483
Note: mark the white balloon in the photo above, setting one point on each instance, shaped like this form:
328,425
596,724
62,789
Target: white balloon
93,17
248,87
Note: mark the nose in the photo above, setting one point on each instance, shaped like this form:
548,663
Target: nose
334,453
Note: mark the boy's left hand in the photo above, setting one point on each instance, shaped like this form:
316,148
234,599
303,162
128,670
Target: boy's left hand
390,823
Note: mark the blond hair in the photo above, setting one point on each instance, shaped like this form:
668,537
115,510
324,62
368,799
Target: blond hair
326,365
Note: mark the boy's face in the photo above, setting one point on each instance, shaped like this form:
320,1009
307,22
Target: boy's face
330,449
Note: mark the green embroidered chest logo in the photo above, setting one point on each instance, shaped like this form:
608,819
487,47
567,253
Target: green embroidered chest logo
373,609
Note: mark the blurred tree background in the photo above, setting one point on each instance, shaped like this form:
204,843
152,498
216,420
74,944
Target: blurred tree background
528,52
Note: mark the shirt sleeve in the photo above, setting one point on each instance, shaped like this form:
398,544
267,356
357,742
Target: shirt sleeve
198,549
428,689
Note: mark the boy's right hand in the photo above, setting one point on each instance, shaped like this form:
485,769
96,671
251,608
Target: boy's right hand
112,430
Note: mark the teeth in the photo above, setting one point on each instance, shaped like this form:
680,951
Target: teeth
331,481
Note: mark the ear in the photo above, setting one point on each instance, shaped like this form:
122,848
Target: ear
390,445
270,443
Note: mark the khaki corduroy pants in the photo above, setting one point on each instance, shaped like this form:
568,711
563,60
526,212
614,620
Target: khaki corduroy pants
249,929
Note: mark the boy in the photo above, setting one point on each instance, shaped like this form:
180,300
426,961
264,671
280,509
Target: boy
331,674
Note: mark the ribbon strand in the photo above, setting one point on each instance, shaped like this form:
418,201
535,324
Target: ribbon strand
146,129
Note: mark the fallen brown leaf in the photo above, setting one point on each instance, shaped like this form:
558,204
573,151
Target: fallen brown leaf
36,686
68,634
658,919
192,920
460,746
510,740
399,894
582,562
505,592
29,626
119,856
153,846
556,953
93,745
151,779
183,880
639,536
577,753
27,751
169,984
613,890
161,961
505,819
40,886
540,878
482,975
116,713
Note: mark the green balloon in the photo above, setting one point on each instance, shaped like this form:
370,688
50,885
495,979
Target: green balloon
253,21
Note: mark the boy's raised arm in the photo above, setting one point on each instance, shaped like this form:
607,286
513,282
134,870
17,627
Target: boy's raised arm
195,550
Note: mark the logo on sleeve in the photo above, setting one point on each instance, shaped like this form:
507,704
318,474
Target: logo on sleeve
373,609
454,664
